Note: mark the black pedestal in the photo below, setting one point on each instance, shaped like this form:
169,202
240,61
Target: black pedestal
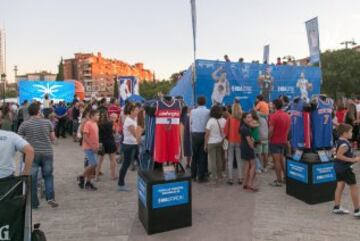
310,182
164,201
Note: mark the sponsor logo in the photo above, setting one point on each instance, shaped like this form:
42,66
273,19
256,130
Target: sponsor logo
5,233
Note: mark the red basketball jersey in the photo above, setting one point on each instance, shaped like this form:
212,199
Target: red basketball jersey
167,132
307,130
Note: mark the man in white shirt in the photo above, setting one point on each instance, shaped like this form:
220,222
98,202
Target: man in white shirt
10,143
198,119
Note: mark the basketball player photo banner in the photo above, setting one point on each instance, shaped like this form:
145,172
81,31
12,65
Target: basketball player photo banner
220,82
128,86
312,30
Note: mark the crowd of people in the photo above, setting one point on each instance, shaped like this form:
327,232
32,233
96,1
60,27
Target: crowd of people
223,144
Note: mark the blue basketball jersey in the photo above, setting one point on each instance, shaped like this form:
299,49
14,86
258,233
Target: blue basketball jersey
321,120
297,124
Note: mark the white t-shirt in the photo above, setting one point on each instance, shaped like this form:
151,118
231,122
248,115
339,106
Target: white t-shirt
128,136
357,107
216,135
10,143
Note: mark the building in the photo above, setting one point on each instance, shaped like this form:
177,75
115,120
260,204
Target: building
97,73
42,75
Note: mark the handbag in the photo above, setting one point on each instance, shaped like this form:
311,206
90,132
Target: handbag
224,142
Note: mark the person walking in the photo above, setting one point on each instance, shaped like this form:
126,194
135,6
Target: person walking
61,113
198,119
107,146
279,126
232,135
214,136
90,144
247,147
130,143
39,133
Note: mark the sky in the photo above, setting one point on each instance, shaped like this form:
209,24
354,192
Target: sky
159,32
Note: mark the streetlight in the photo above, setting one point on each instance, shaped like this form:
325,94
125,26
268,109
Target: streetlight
346,43
3,79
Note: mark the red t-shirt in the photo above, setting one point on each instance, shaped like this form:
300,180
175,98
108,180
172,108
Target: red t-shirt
340,115
280,121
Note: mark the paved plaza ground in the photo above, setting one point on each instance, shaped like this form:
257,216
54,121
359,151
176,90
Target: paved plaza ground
220,213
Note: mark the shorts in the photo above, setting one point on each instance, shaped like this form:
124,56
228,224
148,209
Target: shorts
346,176
262,147
91,157
277,148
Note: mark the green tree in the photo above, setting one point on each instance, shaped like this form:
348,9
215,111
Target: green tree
150,89
341,72
60,74
116,88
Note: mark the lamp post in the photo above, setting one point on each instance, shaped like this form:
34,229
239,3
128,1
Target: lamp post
346,43
3,79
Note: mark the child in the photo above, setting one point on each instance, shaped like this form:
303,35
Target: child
344,175
247,147
90,145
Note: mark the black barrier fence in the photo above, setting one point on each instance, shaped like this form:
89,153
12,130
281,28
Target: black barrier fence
15,208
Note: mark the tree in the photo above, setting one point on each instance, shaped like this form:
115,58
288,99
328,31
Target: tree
60,74
341,72
116,88
150,90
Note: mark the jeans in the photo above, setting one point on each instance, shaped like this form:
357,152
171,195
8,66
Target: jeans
234,148
129,157
45,161
199,158
215,157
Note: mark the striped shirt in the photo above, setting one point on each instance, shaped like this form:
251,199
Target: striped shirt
37,133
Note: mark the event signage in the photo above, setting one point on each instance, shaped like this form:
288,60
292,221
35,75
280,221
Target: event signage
56,90
322,173
170,194
297,171
220,82
142,186
5,233
128,86
312,30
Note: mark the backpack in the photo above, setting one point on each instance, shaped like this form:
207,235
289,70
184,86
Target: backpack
37,234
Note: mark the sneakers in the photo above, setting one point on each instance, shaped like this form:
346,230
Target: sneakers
124,189
81,180
230,182
89,186
342,210
53,203
357,214
276,183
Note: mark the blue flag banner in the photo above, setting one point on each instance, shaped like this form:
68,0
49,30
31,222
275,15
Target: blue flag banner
221,82
128,86
266,54
312,30
36,90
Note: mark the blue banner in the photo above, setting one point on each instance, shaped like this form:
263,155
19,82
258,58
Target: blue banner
36,90
323,173
221,82
142,186
128,86
312,30
170,194
297,171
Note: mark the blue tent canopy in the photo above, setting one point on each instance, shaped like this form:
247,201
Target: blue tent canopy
184,88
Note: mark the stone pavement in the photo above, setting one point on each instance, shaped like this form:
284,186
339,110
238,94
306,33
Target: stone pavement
220,213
